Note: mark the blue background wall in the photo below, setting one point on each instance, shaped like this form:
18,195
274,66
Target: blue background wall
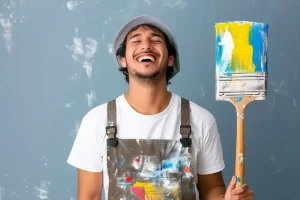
56,64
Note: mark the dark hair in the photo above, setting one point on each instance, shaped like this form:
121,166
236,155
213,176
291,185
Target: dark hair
171,50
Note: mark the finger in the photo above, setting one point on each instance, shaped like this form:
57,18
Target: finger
240,190
232,184
245,196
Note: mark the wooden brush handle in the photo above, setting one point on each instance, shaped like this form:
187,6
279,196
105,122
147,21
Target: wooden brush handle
240,105
240,147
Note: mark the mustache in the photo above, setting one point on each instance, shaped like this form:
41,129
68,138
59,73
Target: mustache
146,52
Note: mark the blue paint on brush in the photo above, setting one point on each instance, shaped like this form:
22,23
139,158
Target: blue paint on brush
238,179
258,39
239,99
219,51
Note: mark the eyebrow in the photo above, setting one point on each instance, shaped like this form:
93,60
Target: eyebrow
152,35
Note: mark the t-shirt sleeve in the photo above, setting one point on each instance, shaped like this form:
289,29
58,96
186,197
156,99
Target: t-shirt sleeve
210,157
85,153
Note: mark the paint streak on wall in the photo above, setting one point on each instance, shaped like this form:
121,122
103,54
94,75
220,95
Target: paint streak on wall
69,105
294,102
174,3
7,20
2,193
90,98
75,77
110,48
83,52
148,2
42,190
75,130
45,161
71,5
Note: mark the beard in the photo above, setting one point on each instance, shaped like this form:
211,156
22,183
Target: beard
148,79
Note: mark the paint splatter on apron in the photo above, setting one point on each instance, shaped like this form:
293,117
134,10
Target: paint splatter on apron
150,169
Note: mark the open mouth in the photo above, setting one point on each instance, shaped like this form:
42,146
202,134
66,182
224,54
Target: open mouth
146,59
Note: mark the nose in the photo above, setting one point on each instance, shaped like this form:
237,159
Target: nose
146,45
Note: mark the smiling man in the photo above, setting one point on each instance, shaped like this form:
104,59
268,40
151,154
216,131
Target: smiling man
150,143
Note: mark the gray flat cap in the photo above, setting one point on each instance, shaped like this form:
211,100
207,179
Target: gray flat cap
144,19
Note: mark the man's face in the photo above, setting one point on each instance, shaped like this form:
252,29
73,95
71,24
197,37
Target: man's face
146,56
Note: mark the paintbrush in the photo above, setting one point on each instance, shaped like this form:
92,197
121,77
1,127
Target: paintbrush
241,73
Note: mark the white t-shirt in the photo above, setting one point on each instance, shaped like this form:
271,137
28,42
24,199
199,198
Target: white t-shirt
89,149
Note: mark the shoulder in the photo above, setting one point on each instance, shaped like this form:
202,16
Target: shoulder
199,116
97,115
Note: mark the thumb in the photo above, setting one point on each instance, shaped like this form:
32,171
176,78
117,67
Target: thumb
232,184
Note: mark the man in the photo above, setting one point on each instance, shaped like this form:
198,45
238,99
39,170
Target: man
149,143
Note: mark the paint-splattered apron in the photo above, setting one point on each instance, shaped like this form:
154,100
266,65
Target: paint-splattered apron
150,169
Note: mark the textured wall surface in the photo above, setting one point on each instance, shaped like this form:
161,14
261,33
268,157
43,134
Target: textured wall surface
56,64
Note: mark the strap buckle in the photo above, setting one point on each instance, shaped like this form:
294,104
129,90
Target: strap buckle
112,142
185,131
111,132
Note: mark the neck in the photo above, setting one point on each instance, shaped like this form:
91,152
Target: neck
148,99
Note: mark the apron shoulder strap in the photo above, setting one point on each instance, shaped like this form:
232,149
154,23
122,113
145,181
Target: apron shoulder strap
185,127
111,127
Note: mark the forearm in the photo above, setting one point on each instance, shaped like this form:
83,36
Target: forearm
215,193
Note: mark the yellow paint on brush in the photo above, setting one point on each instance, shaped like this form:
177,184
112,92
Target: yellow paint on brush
243,51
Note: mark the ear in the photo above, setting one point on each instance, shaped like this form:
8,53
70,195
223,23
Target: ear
171,60
123,62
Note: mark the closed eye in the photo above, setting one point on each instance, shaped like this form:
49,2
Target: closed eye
156,41
135,42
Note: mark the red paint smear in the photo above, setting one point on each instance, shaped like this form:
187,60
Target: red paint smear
186,169
137,160
138,191
129,179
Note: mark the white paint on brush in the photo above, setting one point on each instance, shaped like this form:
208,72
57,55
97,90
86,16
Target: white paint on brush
228,46
241,158
88,69
2,193
174,3
42,190
90,98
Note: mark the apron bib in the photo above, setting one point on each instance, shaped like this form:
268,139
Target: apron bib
150,169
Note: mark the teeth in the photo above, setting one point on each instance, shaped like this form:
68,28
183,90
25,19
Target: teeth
146,57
